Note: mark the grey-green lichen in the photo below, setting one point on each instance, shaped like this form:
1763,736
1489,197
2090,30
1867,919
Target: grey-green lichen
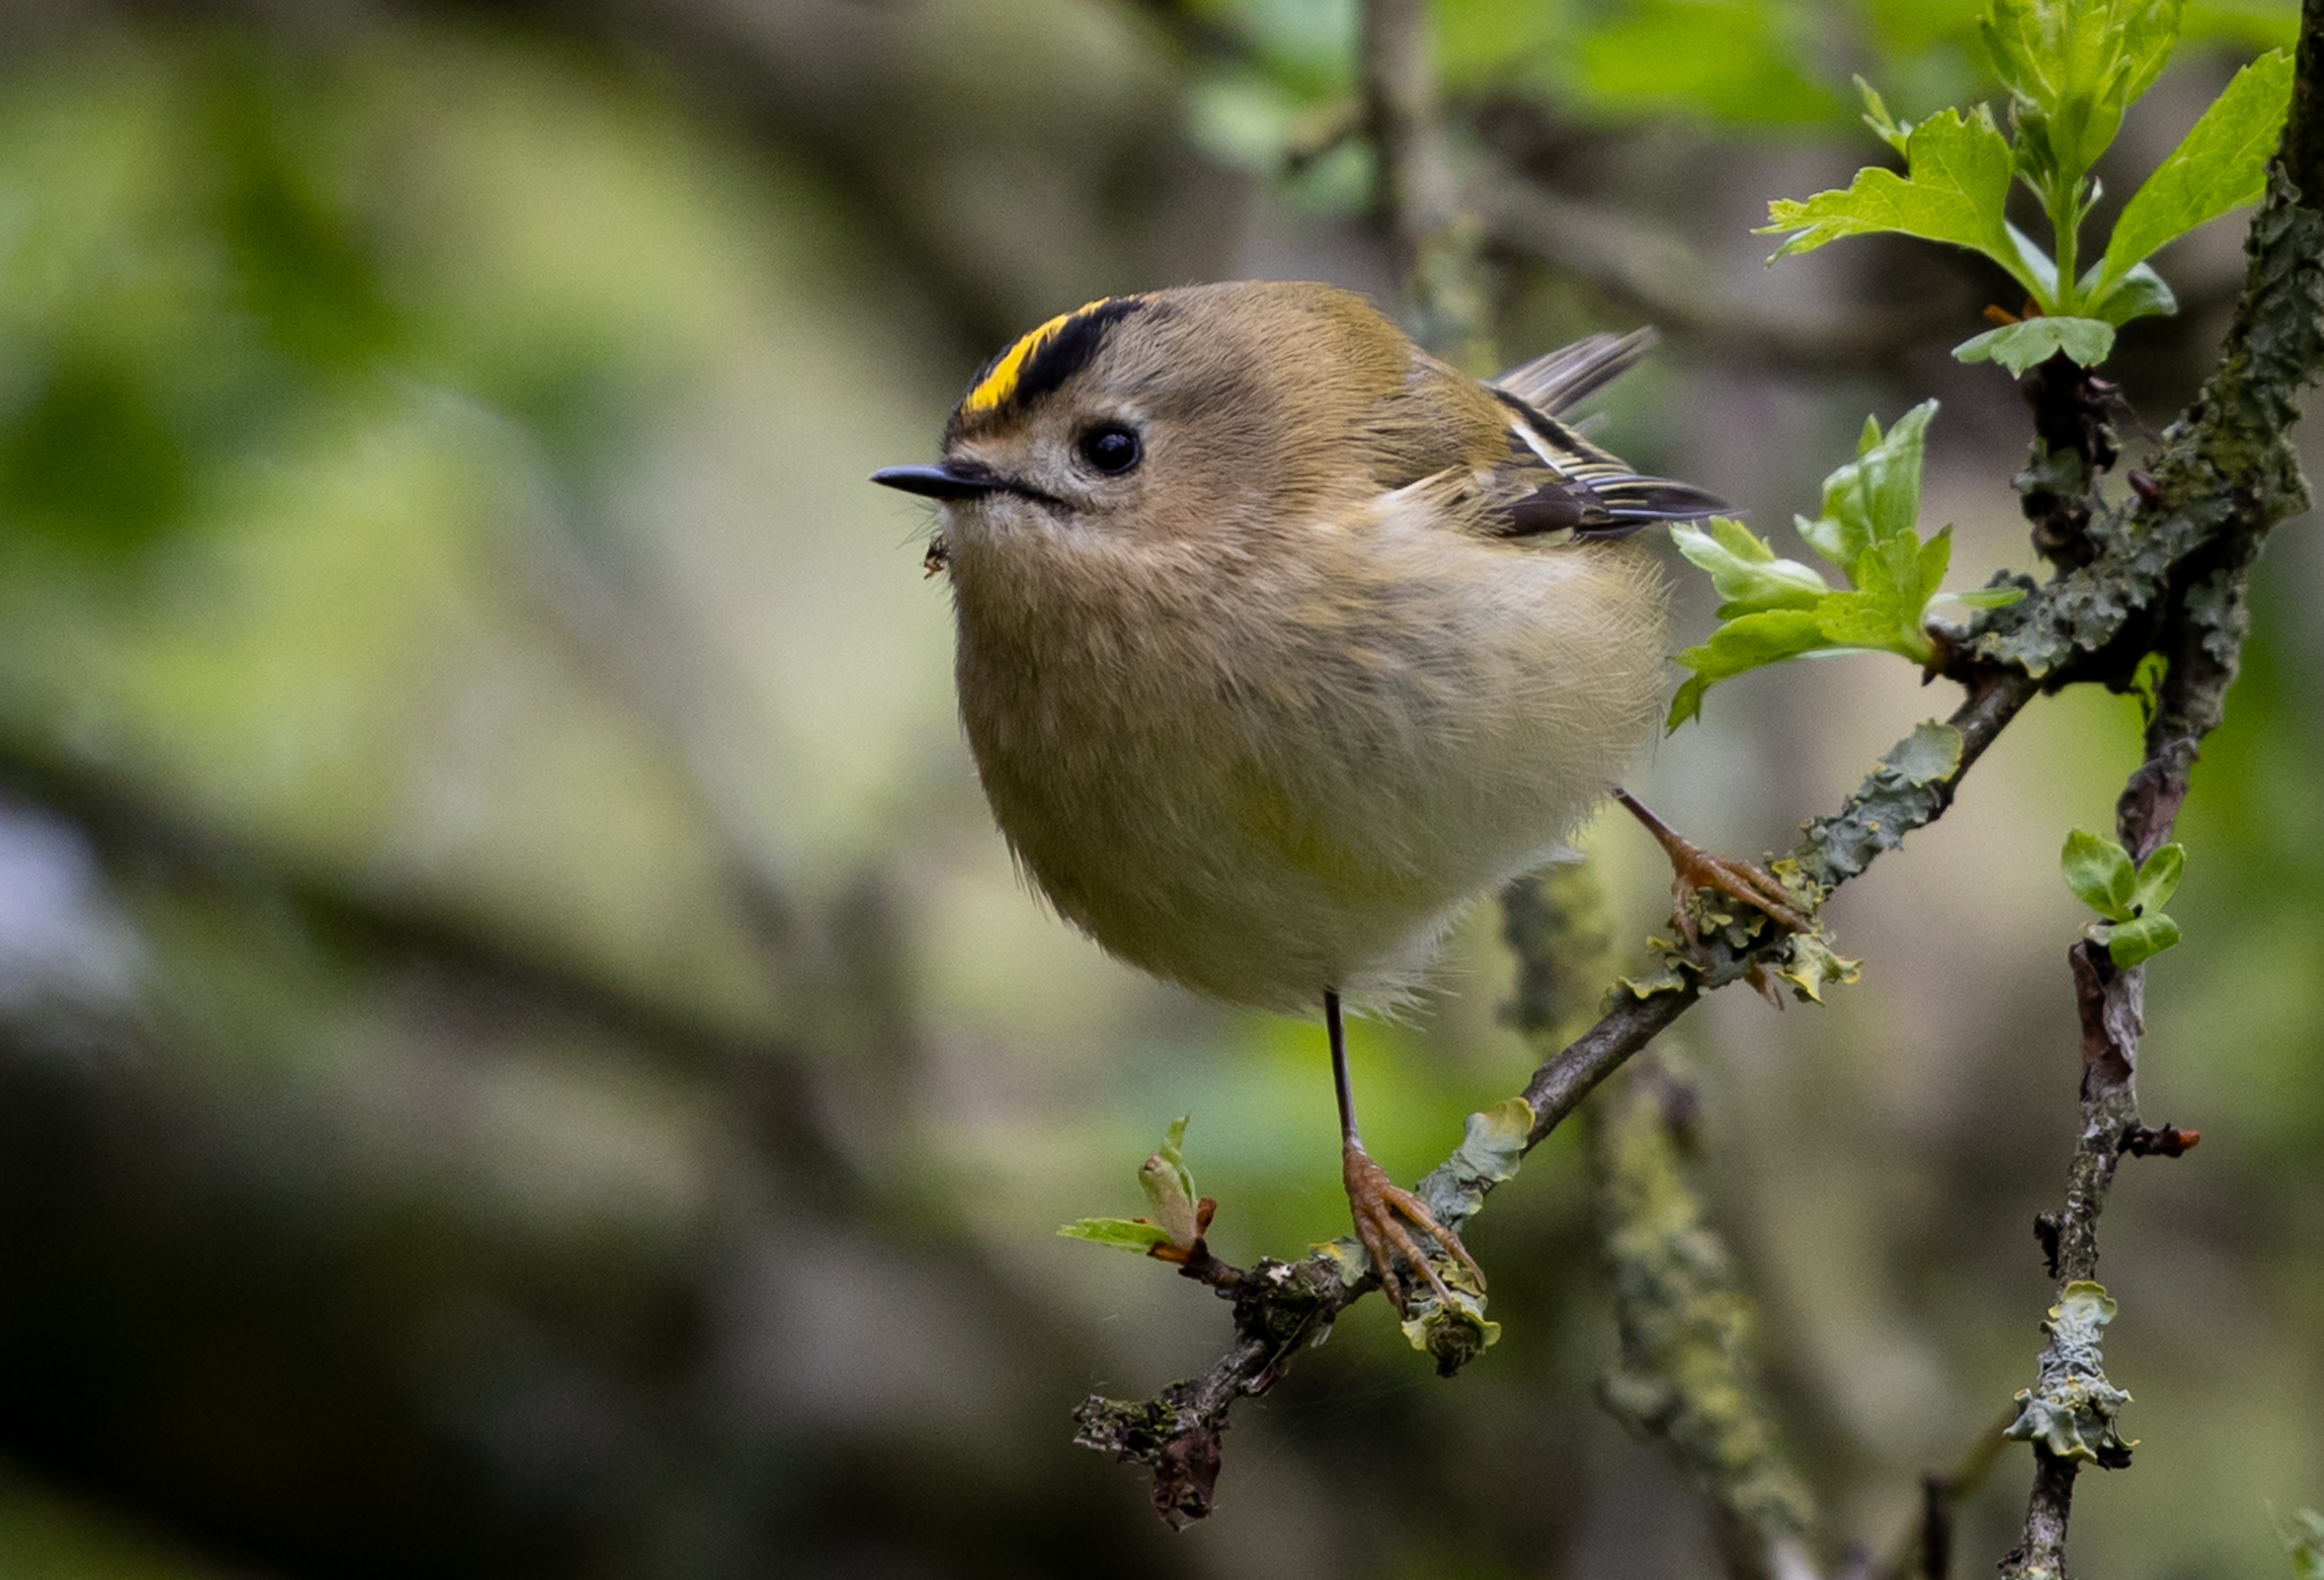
1688,1376
1907,789
1494,1143
2071,1409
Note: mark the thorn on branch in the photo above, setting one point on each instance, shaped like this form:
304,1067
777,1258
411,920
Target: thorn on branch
2048,1228
2140,1140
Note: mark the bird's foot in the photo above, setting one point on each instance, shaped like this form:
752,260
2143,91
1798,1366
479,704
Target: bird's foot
1694,868
1382,1210
1745,881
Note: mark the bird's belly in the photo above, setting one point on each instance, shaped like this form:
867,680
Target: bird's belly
1228,881
1314,813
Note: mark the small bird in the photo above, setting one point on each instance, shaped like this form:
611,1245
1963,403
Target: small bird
1281,641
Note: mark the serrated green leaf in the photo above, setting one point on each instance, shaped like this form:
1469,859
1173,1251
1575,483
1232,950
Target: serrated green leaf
1895,579
2158,879
2074,67
2129,943
1959,178
2019,346
2139,293
1122,1233
1743,644
1745,571
1171,1157
1875,498
1869,619
1885,126
2221,164
2099,872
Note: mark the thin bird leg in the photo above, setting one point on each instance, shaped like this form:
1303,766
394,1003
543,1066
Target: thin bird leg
1375,1201
1695,868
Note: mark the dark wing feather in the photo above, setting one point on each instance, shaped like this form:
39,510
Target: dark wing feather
1557,481
1556,382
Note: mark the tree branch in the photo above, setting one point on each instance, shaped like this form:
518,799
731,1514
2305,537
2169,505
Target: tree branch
2228,475
1436,239
1688,1375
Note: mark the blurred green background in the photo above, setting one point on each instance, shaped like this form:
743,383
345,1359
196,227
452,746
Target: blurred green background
520,1052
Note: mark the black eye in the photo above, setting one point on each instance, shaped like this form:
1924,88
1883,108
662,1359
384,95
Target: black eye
1113,448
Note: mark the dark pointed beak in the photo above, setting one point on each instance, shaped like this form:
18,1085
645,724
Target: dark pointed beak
953,480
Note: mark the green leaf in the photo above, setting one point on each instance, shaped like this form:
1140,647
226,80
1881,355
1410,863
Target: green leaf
1743,644
2221,164
2158,879
1745,571
1170,1188
2129,943
1122,1233
2098,871
1959,178
2019,346
1781,609
2074,67
1875,497
1885,126
2039,266
2137,294
1894,582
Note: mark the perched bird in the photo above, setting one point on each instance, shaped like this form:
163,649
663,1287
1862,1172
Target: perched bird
1280,641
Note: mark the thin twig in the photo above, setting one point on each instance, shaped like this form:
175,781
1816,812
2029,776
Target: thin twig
1419,201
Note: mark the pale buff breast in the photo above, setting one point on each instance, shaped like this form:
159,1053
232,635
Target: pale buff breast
1260,788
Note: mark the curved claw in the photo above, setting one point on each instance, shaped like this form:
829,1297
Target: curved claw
1743,881
1376,1203
1694,868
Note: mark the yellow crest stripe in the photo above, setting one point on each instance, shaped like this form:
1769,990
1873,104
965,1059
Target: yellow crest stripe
994,389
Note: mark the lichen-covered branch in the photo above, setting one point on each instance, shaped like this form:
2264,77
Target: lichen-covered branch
2226,475
1688,1376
